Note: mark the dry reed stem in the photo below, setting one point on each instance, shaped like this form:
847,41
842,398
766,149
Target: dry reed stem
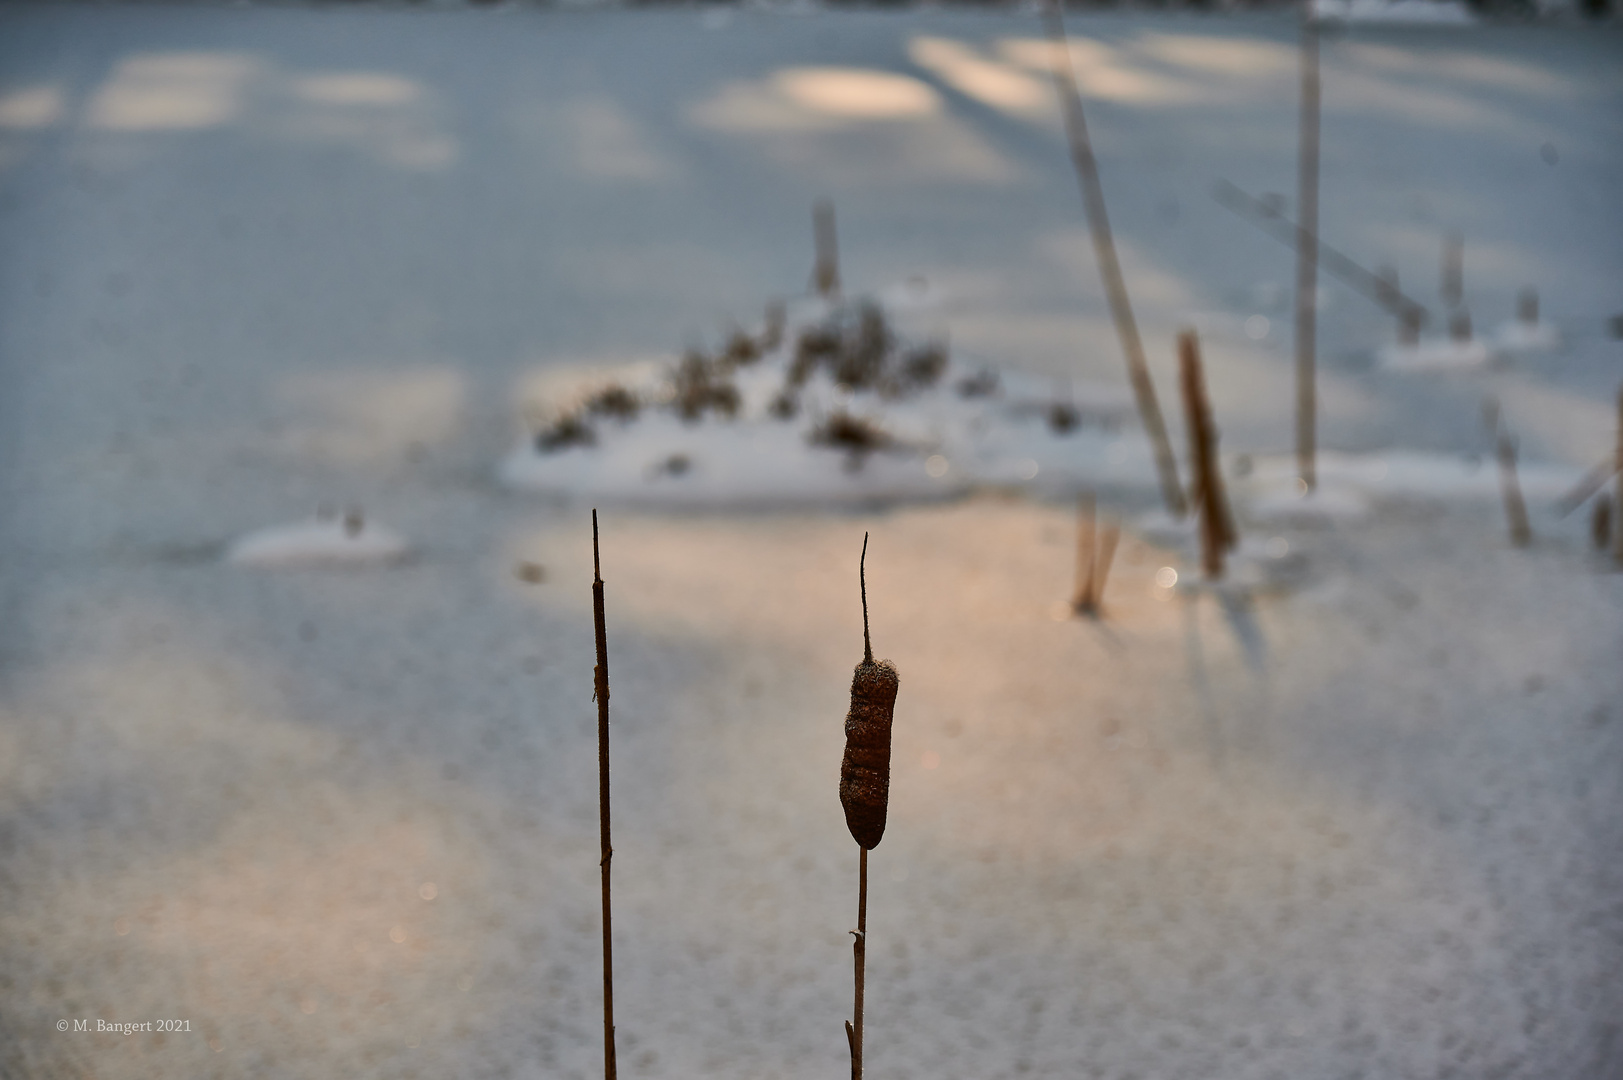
1104,248
1307,255
826,271
1217,530
1094,553
600,676
1382,288
1452,285
1101,567
1086,527
1521,533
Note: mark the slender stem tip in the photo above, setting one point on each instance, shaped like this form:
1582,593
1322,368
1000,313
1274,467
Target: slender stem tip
597,567
862,576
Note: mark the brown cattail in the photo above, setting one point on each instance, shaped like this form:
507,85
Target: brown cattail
865,770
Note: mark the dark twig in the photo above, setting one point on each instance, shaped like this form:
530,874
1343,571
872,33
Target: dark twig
1307,256
600,675
1104,248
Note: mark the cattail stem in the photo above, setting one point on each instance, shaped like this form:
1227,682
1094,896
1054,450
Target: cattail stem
1521,533
859,950
826,272
1307,255
1104,248
600,676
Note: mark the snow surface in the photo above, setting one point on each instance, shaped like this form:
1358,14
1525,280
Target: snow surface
1411,12
1361,818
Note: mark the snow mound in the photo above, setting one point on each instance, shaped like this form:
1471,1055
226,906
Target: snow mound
828,404
1527,337
1421,12
1444,354
321,542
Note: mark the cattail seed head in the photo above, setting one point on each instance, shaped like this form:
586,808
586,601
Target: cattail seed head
865,770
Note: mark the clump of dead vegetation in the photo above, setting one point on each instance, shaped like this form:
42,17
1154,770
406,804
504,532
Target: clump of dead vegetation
701,384
568,430
855,435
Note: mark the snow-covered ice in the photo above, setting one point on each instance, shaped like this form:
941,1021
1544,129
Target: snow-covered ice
1354,811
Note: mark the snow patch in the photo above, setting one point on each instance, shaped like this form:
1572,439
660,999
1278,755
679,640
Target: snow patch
829,406
324,541
1444,354
1526,337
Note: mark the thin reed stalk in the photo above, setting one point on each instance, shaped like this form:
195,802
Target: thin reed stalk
1217,530
600,676
1094,552
1307,256
1521,533
826,271
1104,249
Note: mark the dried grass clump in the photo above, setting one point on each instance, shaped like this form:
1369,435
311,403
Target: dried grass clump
857,349
860,365
923,366
616,401
741,350
700,385
842,431
817,345
568,430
